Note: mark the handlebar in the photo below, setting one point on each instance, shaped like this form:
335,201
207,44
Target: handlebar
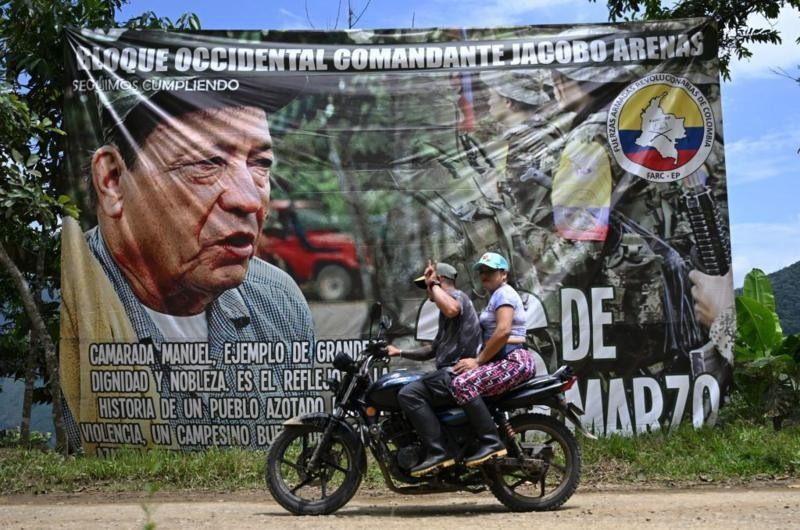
375,351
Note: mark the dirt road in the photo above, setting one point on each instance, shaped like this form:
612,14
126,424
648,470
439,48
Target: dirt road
762,508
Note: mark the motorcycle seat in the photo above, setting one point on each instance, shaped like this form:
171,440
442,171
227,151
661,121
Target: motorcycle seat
521,396
533,386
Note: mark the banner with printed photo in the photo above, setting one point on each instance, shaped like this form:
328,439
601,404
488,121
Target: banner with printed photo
247,195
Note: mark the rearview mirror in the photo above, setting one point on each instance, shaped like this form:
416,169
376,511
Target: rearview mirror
375,312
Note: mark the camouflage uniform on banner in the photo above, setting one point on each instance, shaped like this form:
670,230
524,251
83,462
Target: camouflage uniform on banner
477,215
450,200
529,147
620,228
429,229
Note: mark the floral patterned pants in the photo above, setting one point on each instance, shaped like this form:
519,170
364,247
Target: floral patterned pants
494,377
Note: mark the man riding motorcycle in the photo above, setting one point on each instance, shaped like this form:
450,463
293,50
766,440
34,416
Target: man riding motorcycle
458,337
316,464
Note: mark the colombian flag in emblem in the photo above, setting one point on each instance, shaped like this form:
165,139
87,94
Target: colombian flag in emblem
661,128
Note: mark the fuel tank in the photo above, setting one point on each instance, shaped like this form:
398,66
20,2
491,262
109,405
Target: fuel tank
382,394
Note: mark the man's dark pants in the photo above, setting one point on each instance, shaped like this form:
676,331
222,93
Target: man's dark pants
419,399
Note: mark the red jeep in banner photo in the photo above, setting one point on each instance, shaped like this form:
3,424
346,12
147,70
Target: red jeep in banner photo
308,244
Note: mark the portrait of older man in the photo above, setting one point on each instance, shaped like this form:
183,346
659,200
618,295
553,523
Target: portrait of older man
181,191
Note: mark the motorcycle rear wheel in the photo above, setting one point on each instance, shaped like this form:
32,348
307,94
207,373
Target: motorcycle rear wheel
555,470
319,491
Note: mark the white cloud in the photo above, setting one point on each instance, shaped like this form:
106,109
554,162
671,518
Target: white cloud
290,20
769,56
771,155
766,246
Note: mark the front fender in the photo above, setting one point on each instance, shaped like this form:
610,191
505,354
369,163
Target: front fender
319,420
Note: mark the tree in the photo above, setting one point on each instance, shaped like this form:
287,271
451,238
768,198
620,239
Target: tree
731,16
33,77
26,240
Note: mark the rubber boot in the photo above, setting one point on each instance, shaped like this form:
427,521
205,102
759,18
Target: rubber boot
429,431
489,443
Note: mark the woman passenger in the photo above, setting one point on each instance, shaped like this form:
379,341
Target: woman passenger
502,363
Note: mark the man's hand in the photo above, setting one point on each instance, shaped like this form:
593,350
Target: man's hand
465,365
393,351
430,273
712,295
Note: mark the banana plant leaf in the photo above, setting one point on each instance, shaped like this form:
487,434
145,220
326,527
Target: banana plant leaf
757,326
758,287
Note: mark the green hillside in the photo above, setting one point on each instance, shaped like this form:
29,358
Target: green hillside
786,286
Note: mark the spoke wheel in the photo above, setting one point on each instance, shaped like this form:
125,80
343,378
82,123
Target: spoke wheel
306,490
549,471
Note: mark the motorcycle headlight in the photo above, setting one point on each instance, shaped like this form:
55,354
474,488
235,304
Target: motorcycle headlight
343,362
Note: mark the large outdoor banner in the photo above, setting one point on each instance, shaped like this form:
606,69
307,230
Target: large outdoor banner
247,195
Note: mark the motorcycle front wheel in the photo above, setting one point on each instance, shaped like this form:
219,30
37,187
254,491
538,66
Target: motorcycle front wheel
547,472
318,491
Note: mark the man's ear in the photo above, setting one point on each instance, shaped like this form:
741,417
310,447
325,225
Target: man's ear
107,170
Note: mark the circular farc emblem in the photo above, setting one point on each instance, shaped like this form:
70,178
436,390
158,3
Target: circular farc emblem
661,128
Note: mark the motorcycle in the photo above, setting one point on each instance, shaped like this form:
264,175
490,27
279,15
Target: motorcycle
316,464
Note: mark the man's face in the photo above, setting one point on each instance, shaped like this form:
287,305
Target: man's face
196,197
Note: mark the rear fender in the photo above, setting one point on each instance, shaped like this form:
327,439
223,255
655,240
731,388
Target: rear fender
571,411
317,420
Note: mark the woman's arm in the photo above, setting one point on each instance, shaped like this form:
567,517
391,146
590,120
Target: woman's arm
504,316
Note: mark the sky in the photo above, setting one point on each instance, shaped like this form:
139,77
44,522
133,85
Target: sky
761,107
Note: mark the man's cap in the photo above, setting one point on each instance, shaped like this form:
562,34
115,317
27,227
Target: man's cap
444,270
532,87
493,260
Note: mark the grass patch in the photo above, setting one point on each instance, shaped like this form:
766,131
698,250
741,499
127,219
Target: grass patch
34,471
737,452
24,471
